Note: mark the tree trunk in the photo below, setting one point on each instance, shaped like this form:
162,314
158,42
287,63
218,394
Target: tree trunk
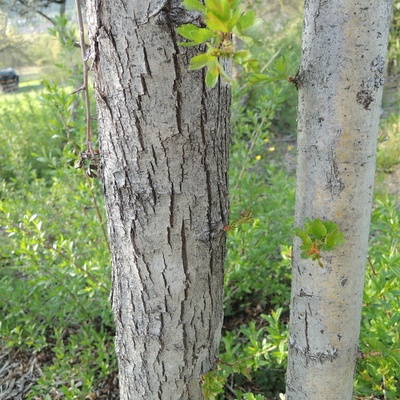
164,151
340,87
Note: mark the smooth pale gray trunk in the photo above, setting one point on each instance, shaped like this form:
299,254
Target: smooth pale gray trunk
340,87
164,151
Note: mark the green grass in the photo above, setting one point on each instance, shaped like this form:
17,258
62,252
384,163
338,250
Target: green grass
31,85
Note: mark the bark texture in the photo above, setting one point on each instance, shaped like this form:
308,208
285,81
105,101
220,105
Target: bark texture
164,149
340,87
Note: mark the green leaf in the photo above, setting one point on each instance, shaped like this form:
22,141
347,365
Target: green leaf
212,72
241,56
330,226
306,246
194,5
247,20
222,72
317,229
281,65
33,217
251,65
235,17
333,239
211,79
302,235
195,34
220,9
248,27
226,10
304,255
244,59
199,61
214,23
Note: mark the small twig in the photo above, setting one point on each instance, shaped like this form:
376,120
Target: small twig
78,90
90,157
372,267
271,60
84,87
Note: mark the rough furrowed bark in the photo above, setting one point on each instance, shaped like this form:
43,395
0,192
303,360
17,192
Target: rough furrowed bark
340,86
164,149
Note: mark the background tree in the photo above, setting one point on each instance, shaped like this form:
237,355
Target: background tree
340,87
12,45
164,154
28,8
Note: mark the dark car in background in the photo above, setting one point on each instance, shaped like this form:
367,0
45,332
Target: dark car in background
9,80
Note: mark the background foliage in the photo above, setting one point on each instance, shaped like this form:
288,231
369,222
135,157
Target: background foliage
54,262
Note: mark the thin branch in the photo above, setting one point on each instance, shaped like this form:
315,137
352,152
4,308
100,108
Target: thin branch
45,16
89,146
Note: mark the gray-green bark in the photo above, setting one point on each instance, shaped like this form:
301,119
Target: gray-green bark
164,150
340,87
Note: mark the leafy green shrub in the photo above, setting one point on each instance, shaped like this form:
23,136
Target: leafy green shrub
81,359
257,276
252,355
55,268
259,185
258,351
55,276
377,372
40,132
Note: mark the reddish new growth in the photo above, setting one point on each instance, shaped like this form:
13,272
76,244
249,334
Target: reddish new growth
314,251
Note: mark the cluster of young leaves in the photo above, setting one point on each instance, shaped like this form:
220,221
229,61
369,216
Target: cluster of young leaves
222,18
318,236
